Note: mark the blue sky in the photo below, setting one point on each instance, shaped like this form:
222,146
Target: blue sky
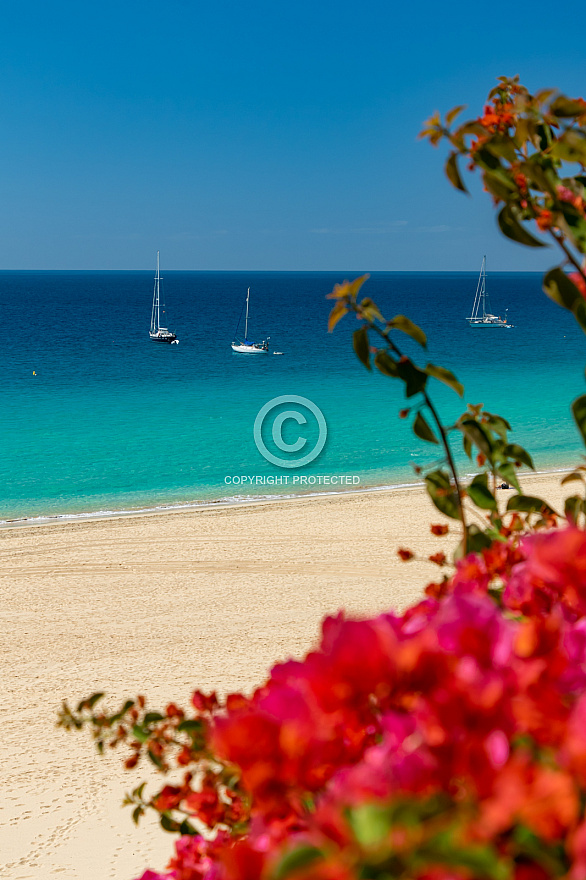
255,135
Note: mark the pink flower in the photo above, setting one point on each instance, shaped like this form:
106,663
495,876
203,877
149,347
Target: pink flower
554,571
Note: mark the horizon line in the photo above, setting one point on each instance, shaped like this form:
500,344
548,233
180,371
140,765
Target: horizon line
297,271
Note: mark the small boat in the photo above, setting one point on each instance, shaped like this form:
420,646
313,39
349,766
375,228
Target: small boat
244,346
157,332
481,310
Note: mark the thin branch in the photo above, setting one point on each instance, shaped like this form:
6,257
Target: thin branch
451,464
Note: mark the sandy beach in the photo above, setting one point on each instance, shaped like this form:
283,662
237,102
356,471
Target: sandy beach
161,604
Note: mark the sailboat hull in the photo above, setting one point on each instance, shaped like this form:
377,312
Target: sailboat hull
481,323
164,338
241,348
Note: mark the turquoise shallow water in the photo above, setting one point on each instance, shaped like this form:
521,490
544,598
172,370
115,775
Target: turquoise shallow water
111,421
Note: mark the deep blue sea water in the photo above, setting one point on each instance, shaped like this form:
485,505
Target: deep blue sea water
112,421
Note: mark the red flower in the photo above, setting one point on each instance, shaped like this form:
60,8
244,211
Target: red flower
405,555
554,571
173,711
438,558
204,703
544,220
521,182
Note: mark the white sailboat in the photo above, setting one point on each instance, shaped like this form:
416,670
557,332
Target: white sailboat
246,347
481,310
158,333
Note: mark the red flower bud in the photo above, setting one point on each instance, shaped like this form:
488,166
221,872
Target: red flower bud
438,558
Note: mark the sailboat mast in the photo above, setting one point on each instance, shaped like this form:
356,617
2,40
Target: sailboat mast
154,326
158,294
483,292
246,325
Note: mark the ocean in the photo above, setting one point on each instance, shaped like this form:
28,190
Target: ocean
96,418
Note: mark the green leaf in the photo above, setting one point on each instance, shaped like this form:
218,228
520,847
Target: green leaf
369,310
570,478
517,453
169,824
155,759
422,429
486,159
567,108
442,493
412,376
480,861
539,174
545,136
136,814
512,228
152,717
497,424
337,313
445,376
472,127
361,346
503,147
187,828
453,173
140,733
477,435
90,702
580,313
137,792
498,187
455,111
402,323
573,507
570,147
480,494
125,708
528,504
551,857
561,289
576,225
509,474
579,413
296,859
190,725
384,362
371,824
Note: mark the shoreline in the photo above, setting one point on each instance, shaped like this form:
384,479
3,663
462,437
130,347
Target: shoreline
202,506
